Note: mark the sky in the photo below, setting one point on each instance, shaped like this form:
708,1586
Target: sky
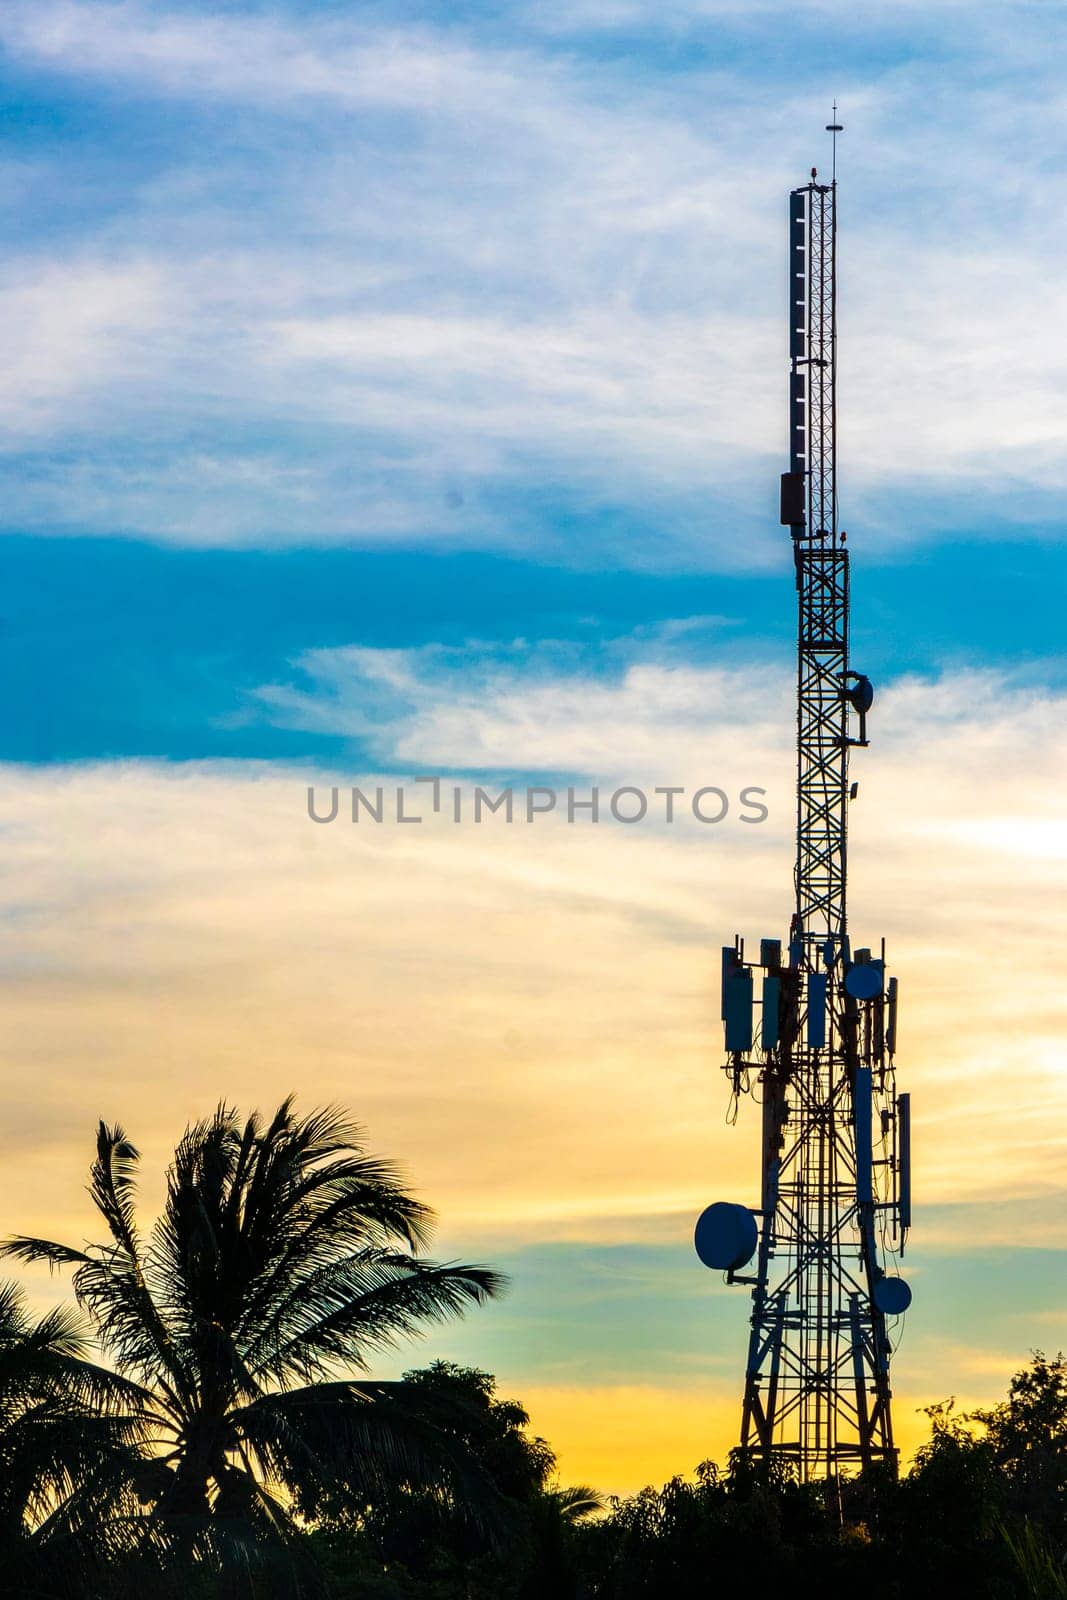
399,390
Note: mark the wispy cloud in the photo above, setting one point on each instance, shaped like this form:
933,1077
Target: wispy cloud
529,971
536,708
70,327
388,262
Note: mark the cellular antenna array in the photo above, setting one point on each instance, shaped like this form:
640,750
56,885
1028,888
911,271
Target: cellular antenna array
817,1043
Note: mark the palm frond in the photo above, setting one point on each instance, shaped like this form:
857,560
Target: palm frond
22,1248
577,1501
364,1305
362,1441
111,1288
113,1185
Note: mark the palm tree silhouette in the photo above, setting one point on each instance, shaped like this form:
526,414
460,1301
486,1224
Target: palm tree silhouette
70,1452
284,1259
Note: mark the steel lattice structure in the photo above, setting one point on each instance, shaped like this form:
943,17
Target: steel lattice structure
835,1192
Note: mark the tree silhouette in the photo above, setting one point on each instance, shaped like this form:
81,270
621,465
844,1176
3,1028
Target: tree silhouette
285,1258
69,1453
431,1541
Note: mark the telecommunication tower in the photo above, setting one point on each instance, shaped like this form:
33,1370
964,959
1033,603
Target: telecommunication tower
817,1043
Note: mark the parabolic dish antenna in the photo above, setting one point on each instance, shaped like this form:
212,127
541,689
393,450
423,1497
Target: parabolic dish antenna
892,1296
725,1236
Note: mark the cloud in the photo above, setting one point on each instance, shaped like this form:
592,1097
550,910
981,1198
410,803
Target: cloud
539,709
173,933
71,326
528,1016
255,56
392,262
952,837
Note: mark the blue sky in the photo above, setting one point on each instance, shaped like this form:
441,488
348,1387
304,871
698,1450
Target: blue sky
120,648
492,297
511,280
401,388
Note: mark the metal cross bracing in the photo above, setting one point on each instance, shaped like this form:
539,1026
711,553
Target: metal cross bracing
835,1143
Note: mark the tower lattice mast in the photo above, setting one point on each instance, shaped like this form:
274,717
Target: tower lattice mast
818,1044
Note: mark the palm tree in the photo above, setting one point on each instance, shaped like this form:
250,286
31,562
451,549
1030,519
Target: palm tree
284,1259
69,1453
